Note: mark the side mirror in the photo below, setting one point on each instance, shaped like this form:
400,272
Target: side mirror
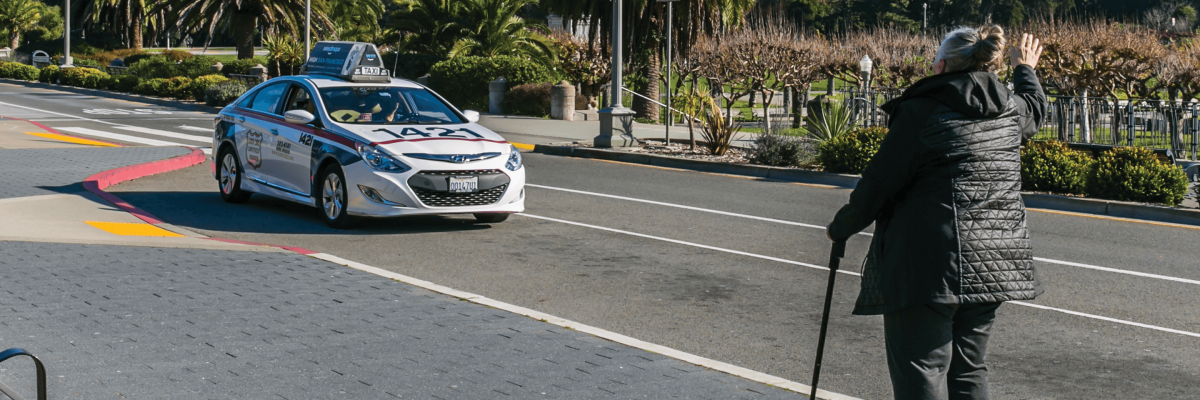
472,115
299,117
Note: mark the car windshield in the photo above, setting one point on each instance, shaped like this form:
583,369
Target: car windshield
386,105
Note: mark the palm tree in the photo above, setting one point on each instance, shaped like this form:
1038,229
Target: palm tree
356,20
18,16
127,18
244,17
429,26
495,29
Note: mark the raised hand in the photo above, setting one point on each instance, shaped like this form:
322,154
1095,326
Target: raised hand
1028,52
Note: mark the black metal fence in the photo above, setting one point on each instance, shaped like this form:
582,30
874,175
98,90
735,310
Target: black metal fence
1156,124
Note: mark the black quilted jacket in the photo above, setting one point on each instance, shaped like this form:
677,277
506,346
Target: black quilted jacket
944,193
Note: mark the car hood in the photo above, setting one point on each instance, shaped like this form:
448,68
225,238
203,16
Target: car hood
431,139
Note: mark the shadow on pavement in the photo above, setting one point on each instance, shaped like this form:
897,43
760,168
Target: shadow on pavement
206,211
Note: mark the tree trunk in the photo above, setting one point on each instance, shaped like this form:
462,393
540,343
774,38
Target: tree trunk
649,69
243,33
766,103
799,101
1086,126
14,38
751,102
139,20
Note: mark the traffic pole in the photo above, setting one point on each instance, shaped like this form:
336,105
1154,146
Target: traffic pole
835,258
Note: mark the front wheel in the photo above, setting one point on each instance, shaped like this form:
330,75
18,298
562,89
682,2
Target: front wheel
491,218
229,177
332,201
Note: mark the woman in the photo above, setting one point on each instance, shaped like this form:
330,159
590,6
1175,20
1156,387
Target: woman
950,241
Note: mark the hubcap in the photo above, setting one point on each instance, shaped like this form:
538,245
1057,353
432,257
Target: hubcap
332,196
228,173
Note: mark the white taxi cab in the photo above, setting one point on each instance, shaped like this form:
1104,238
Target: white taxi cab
349,140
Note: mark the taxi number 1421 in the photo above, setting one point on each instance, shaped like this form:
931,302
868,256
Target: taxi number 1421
432,131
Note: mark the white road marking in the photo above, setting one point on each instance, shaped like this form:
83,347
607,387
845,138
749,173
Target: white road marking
58,113
196,129
127,138
780,221
1038,306
591,330
173,135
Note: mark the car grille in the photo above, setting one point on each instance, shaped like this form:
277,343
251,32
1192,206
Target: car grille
471,172
434,198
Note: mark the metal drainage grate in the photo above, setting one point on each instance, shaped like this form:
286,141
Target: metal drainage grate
434,198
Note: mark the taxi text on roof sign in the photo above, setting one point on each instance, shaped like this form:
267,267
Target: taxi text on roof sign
353,61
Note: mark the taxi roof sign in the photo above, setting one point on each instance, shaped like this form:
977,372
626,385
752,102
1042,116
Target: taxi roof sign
353,61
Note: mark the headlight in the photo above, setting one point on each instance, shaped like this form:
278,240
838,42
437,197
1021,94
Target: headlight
514,160
379,160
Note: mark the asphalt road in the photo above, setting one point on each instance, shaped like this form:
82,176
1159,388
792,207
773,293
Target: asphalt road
724,286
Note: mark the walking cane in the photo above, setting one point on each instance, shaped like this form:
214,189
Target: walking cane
835,257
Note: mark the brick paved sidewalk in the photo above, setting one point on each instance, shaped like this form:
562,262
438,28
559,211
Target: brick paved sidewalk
34,172
114,322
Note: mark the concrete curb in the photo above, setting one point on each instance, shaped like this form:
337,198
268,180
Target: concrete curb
98,182
181,104
1112,208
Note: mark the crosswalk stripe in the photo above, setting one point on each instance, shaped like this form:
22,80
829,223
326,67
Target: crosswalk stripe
196,129
127,138
169,134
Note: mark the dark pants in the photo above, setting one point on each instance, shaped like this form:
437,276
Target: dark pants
939,351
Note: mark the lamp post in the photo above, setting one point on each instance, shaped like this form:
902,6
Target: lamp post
667,137
307,28
616,121
67,35
864,66
924,18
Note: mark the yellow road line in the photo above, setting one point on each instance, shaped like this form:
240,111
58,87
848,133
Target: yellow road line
1139,221
132,229
523,146
69,139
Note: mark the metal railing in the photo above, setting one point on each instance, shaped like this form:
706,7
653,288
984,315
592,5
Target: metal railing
41,374
1156,124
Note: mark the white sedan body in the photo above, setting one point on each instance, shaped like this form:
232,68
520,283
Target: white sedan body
434,163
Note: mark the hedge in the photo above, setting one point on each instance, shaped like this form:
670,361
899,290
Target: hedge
12,70
49,74
531,99
200,84
464,80
84,77
410,66
221,94
1136,174
1053,167
850,152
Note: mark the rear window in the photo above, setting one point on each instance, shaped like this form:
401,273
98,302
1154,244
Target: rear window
386,105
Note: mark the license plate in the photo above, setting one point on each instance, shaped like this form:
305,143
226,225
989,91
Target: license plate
464,184
370,70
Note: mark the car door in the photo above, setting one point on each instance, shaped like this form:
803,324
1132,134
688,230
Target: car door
262,126
293,144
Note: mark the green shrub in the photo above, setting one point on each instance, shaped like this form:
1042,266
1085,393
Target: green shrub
200,84
83,77
134,58
49,74
1135,174
464,80
152,87
221,94
176,55
106,57
12,70
529,99
410,66
179,87
1053,167
195,66
782,151
850,152
242,67
123,83
154,67
86,62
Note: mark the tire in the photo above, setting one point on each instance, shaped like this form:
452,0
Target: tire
331,198
491,218
229,177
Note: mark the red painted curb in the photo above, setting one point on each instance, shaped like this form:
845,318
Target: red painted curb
56,132
98,182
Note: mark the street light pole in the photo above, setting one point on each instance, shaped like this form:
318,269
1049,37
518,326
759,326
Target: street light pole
670,3
616,121
924,18
66,35
307,28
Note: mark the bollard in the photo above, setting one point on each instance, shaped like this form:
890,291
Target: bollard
217,67
261,71
562,101
496,91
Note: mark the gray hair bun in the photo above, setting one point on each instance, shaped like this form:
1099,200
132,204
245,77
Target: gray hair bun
973,49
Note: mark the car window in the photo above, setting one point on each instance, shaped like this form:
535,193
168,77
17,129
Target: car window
299,99
386,105
267,98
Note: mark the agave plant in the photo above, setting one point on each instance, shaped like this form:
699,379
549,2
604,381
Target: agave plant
718,131
835,120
